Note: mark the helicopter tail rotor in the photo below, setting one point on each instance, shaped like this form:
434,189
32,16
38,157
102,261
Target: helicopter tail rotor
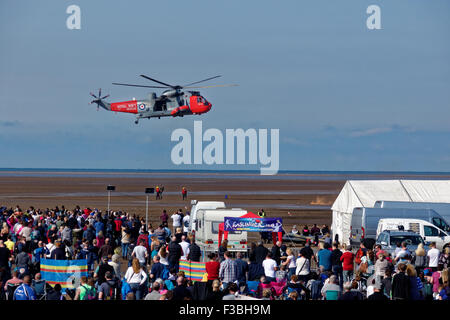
99,100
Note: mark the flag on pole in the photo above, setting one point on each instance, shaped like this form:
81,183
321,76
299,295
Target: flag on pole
193,270
67,273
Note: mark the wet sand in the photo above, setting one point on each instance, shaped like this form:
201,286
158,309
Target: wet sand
307,200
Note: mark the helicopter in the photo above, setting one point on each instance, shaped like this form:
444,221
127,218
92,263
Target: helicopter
173,102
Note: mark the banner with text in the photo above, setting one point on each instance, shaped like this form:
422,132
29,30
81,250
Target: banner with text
253,224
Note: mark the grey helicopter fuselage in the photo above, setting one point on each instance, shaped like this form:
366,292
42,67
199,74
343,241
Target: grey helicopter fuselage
171,103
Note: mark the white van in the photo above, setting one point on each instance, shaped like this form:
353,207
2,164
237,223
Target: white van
207,230
365,221
428,231
198,205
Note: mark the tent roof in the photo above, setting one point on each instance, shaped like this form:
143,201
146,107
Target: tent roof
250,215
364,193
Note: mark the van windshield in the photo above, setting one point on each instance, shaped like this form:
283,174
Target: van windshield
409,239
215,229
441,224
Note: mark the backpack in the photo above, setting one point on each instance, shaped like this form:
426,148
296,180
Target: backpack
125,289
165,273
90,294
169,284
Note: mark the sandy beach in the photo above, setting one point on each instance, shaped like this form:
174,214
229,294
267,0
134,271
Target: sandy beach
307,201
297,198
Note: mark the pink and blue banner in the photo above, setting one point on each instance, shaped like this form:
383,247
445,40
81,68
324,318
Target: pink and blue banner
253,224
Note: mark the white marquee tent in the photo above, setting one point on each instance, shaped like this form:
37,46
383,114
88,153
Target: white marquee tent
364,193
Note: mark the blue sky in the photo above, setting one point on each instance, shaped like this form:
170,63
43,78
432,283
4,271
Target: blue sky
344,97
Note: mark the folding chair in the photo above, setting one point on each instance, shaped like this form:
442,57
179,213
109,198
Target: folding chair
40,288
252,287
278,287
331,295
10,288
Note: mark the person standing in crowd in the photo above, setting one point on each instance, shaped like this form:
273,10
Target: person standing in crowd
212,268
185,221
270,267
184,247
336,264
433,257
290,262
401,286
194,251
381,266
136,278
419,258
157,269
260,253
242,269
140,252
222,249
106,249
302,267
176,221
444,258
415,291
164,217
308,253
276,252
125,241
228,270
347,263
324,257
175,253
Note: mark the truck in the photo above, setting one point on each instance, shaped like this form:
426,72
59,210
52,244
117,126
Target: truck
364,221
440,207
207,231
199,205
428,231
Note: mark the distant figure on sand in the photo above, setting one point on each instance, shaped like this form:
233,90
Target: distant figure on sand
158,192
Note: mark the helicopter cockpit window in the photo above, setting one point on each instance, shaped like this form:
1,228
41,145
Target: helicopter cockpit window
200,100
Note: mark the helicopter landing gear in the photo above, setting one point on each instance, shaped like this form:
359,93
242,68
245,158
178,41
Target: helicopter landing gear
136,121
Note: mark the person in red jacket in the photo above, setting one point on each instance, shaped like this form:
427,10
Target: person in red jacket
347,263
212,268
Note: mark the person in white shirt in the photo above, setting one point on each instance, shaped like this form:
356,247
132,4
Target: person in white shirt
433,256
50,247
186,219
136,277
176,221
185,247
270,266
302,267
140,253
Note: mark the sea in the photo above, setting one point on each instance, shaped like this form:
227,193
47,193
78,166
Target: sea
228,174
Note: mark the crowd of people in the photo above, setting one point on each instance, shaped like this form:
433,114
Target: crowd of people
130,260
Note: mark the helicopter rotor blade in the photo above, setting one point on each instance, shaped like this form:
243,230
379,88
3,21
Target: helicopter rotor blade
137,85
213,86
104,97
160,82
189,84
